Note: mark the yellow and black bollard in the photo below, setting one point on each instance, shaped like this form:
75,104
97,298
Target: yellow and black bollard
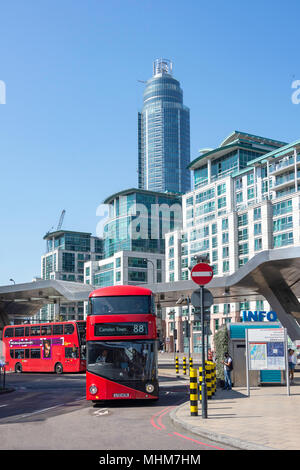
191,363
214,378
184,365
200,382
208,379
177,365
193,392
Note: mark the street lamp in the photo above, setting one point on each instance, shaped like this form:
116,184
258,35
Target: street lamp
11,280
180,301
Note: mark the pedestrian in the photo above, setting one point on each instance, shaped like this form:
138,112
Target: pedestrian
292,364
227,371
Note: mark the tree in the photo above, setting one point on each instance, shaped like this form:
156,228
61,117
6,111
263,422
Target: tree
221,341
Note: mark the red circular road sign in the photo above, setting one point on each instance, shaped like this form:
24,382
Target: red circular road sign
202,273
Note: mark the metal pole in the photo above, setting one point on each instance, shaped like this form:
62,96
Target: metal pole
286,362
189,326
203,384
247,363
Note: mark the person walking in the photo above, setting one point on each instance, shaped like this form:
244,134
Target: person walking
292,364
227,371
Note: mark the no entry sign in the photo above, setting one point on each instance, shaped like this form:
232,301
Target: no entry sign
202,273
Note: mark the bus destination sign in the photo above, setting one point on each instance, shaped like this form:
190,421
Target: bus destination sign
121,329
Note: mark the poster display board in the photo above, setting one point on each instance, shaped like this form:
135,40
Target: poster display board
266,349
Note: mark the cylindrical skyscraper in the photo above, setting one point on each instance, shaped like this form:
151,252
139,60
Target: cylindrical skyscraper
164,134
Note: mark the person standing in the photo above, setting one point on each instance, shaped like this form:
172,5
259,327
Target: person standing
227,371
292,364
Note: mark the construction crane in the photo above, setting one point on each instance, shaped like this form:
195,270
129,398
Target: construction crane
61,219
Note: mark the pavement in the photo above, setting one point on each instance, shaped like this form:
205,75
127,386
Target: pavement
269,419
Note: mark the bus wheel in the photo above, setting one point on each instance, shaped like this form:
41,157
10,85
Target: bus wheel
58,368
18,368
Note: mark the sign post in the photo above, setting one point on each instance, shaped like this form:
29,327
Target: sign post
201,274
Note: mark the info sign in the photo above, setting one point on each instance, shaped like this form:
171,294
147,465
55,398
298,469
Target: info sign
266,349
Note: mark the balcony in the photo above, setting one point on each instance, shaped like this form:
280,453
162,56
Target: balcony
283,165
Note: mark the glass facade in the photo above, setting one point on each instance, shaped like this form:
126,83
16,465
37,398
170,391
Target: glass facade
164,134
139,220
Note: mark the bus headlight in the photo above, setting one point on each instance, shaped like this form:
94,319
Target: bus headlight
93,389
149,388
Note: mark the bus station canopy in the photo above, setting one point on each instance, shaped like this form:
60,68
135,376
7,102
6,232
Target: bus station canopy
25,300
273,275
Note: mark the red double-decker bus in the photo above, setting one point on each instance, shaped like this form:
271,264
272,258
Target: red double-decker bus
46,347
121,341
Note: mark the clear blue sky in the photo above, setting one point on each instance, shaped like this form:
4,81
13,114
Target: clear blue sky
68,133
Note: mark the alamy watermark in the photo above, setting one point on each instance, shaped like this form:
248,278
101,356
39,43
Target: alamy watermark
2,92
138,221
296,94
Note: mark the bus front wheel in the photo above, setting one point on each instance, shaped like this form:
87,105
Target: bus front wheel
18,368
58,368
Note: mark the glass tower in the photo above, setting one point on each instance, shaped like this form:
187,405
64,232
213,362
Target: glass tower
164,134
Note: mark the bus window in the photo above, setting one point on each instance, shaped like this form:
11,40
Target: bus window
27,353
46,330
19,354
27,331
12,353
35,331
57,329
68,329
19,331
9,333
35,353
71,353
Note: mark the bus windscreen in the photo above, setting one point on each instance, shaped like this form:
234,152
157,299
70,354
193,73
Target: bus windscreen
132,304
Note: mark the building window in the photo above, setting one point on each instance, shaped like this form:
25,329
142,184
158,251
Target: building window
225,266
257,244
215,269
245,305
224,224
239,197
243,261
257,229
221,189
171,241
225,237
257,213
226,309
283,223
282,207
250,179
283,239
118,262
250,193
242,220
225,251
221,202
243,234
243,249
